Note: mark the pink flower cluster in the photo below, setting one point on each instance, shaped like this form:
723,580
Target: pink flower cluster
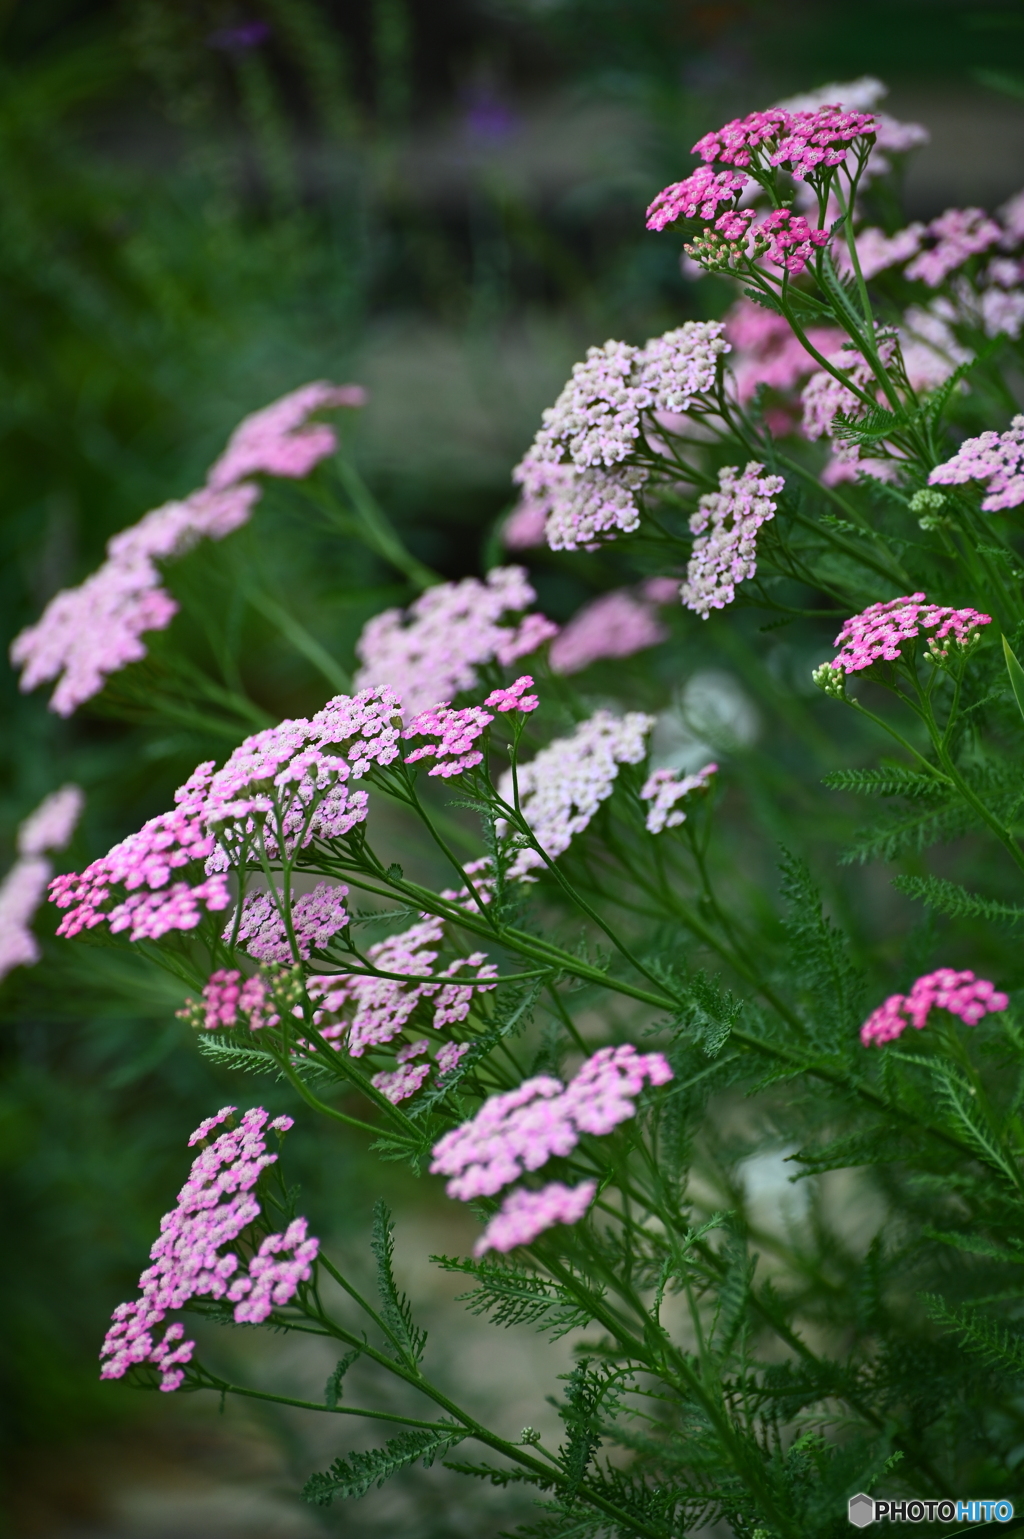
727,554
215,1206
562,788
766,352
433,650
959,234
520,1130
524,1214
698,196
961,993
317,917
49,827
596,419
878,633
229,997
279,785
514,698
876,251
89,632
375,1010
665,790
792,241
280,440
456,731
997,458
615,625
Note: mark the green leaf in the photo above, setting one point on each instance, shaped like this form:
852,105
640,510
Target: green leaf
353,1477
995,1345
892,780
956,901
1016,673
513,1297
407,1340
332,1389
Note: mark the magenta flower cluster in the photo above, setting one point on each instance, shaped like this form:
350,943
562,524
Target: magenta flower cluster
665,789
727,553
87,633
520,1130
525,1214
879,632
432,651
229,998
563,786
215,1207
961,993
279,786
458,730
997,458
792,241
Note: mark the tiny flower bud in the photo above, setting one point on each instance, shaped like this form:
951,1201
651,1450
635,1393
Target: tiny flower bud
831,680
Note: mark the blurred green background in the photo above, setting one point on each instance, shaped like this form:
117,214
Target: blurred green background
205,204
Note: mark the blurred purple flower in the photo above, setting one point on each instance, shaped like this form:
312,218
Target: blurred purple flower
249,34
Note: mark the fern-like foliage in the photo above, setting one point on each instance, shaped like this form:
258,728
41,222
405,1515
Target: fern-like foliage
332,1389
891,780
407,1340
994,1344
956,901
511,1296
353,1477
820,954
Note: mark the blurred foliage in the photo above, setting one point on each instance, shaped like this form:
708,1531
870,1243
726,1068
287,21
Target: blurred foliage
201,207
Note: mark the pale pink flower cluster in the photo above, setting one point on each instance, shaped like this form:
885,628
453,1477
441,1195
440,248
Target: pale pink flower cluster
524,1214
231,999
89,632
22,890
877,251
766,350
215,1206
403,1082
959,234
432,651
375,1010
997,458
928,345
278,785
562,788
961,993
879,632
1001,302
578,474
615,625
664,789
727,554
520,1130
52,823
280,440
824,397
317,917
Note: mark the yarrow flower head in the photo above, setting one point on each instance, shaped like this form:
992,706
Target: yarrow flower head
217,1207
53,822
87,633
879,632
433,650
727,554
280,440
371,1012
959,234
518,1131
562,788
697,197
665,789
961,993
21,892
524,1214
316,917
791,241
281,782
617,624
456,731
515,697
997,458
766,352
230,999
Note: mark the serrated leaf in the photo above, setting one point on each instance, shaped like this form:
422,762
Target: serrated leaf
950,898
892,780
408,1341
332,1389
348,1479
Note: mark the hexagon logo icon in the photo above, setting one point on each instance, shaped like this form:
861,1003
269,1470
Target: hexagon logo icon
861,1510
